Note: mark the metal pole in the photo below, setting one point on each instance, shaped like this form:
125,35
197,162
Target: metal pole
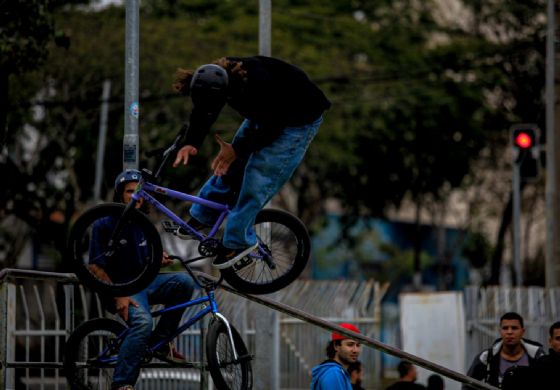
517,223
265,27
131,103
552,260
101,141
267,338
7,330
267,349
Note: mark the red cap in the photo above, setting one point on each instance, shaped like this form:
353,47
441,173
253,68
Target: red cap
335,336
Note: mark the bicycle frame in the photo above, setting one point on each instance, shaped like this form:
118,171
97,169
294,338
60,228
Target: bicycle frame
212,308
143,191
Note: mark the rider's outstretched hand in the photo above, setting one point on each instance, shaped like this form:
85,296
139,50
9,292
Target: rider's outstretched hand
225,157
184,153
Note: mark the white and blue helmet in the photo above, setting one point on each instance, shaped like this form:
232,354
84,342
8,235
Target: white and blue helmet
124,177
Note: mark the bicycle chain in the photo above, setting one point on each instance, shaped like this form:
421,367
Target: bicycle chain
209,247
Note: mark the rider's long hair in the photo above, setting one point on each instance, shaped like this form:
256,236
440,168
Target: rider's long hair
331,352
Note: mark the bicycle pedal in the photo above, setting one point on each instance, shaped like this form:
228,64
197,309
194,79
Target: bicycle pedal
170,226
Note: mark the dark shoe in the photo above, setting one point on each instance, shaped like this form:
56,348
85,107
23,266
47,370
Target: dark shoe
168,353
228,257
186,235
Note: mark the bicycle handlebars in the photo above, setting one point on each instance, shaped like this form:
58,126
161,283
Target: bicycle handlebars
165,152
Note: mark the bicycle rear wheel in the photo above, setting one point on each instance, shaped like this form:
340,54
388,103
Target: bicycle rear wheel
130,257
228,373
90,354
284,248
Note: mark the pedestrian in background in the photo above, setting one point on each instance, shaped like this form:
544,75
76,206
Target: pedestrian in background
547,367
510,351
435,382
408,375
332,374
356,372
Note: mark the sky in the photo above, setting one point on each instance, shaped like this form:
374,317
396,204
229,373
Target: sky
104,3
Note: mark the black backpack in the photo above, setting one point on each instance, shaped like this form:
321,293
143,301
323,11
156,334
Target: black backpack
518,378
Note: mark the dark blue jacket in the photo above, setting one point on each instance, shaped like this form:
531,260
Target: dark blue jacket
128,262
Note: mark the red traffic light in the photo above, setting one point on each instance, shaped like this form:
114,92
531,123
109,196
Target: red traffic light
523,140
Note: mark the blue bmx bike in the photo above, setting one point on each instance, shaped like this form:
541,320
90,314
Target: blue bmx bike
92,350
281,255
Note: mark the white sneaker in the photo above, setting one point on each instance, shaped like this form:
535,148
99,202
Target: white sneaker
229,257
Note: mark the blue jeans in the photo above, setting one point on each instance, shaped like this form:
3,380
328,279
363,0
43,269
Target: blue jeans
265,172
169,289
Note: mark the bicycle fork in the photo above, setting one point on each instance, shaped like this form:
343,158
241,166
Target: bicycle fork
230,334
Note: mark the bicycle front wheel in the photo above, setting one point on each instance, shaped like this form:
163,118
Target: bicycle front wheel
284,248
91,352
227,371
113,252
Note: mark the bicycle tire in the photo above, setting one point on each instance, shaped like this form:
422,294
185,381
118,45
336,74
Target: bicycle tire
78,254
86,343
226,372
287,240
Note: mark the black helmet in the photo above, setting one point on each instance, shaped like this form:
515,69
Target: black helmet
124,177
209,85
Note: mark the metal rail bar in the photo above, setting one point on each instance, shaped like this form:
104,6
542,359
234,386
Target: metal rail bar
304,316
14,273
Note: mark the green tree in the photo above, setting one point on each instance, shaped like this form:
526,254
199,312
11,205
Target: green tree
26,30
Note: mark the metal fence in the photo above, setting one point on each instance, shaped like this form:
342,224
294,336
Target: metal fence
38,311
303,345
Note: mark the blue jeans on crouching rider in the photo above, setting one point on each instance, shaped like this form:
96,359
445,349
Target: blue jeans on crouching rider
265,172
167,288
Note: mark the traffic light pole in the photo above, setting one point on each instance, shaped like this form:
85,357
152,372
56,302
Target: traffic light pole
517,224
526,166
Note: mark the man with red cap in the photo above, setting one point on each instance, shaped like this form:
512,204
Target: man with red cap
332,374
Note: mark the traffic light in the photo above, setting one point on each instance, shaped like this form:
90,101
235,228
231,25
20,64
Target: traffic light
526,150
